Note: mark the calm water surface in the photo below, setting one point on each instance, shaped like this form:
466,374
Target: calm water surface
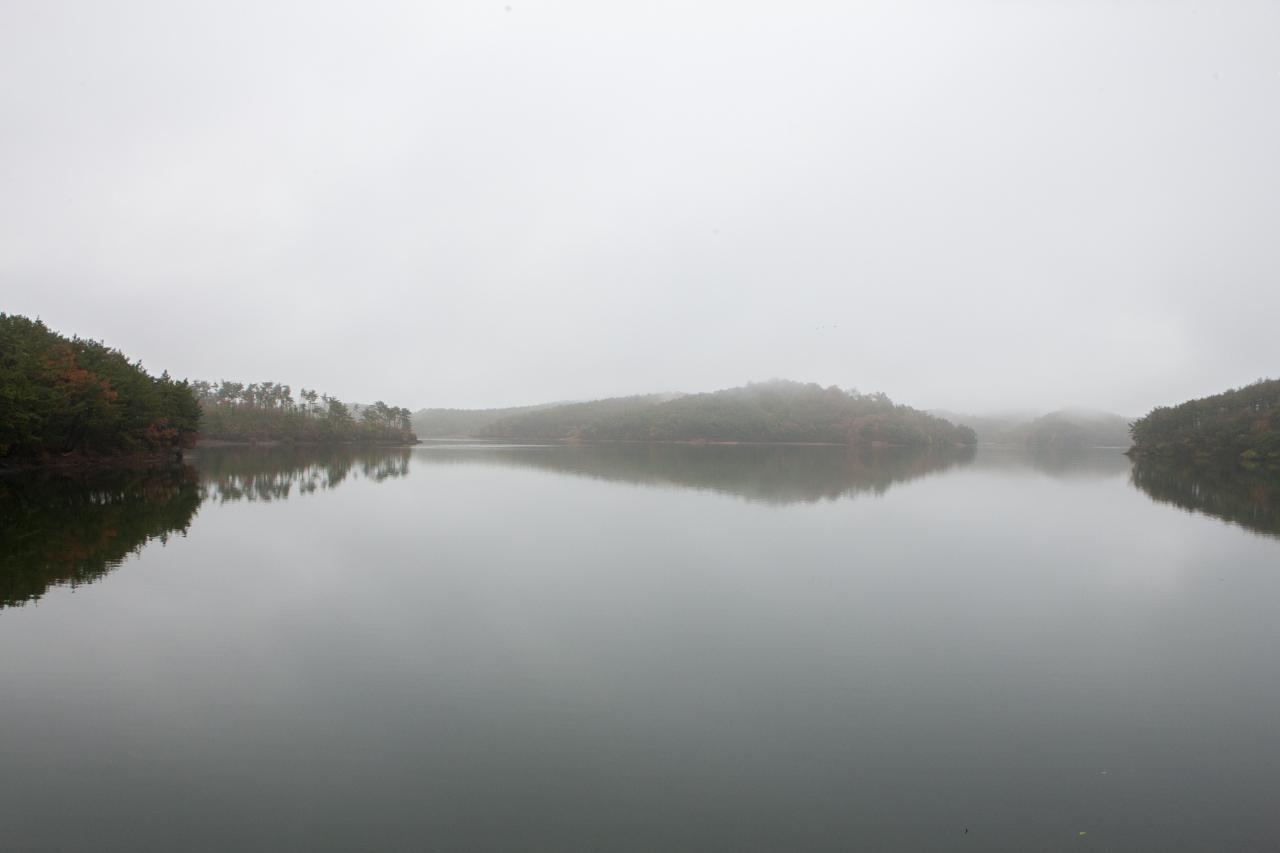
640,648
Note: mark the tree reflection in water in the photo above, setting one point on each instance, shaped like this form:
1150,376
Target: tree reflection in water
72,528
276,473
1250,499
66,530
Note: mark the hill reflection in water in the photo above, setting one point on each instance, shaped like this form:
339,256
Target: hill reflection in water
1250,499
775,474
65,529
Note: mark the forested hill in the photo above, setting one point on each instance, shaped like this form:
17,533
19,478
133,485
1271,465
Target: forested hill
990,428
777,411
1067,429
1242,424
70,399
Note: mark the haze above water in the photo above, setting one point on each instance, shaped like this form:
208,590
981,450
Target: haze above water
639,648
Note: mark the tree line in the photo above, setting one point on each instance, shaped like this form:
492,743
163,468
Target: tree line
268,411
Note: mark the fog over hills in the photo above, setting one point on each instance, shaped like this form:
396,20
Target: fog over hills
1066,428
643,417
774,411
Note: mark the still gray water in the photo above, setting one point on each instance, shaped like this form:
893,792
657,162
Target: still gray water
640,648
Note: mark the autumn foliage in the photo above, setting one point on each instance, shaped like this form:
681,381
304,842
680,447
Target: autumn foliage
68,397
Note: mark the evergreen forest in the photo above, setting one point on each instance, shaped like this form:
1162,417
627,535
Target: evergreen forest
65,399
1240,425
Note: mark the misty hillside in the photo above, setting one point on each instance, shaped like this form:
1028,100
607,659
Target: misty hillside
777,411
571,420
468,423
1241,424
461,423
991,428
1061,430
1072,430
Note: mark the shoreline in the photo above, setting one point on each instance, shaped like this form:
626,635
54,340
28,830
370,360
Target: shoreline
78,461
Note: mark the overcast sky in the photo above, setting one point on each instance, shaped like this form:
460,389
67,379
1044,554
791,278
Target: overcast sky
968,205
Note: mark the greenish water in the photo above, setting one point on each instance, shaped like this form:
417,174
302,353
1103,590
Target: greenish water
640,648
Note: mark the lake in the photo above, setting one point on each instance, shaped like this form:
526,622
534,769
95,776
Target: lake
649,648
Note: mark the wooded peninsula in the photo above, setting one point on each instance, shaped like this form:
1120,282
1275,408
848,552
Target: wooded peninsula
70,401
1241,425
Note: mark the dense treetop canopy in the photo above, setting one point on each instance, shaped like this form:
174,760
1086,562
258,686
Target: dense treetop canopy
64,397
1241,424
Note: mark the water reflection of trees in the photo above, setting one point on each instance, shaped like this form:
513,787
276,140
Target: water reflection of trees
62,529
778,474
1250,499
274,473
